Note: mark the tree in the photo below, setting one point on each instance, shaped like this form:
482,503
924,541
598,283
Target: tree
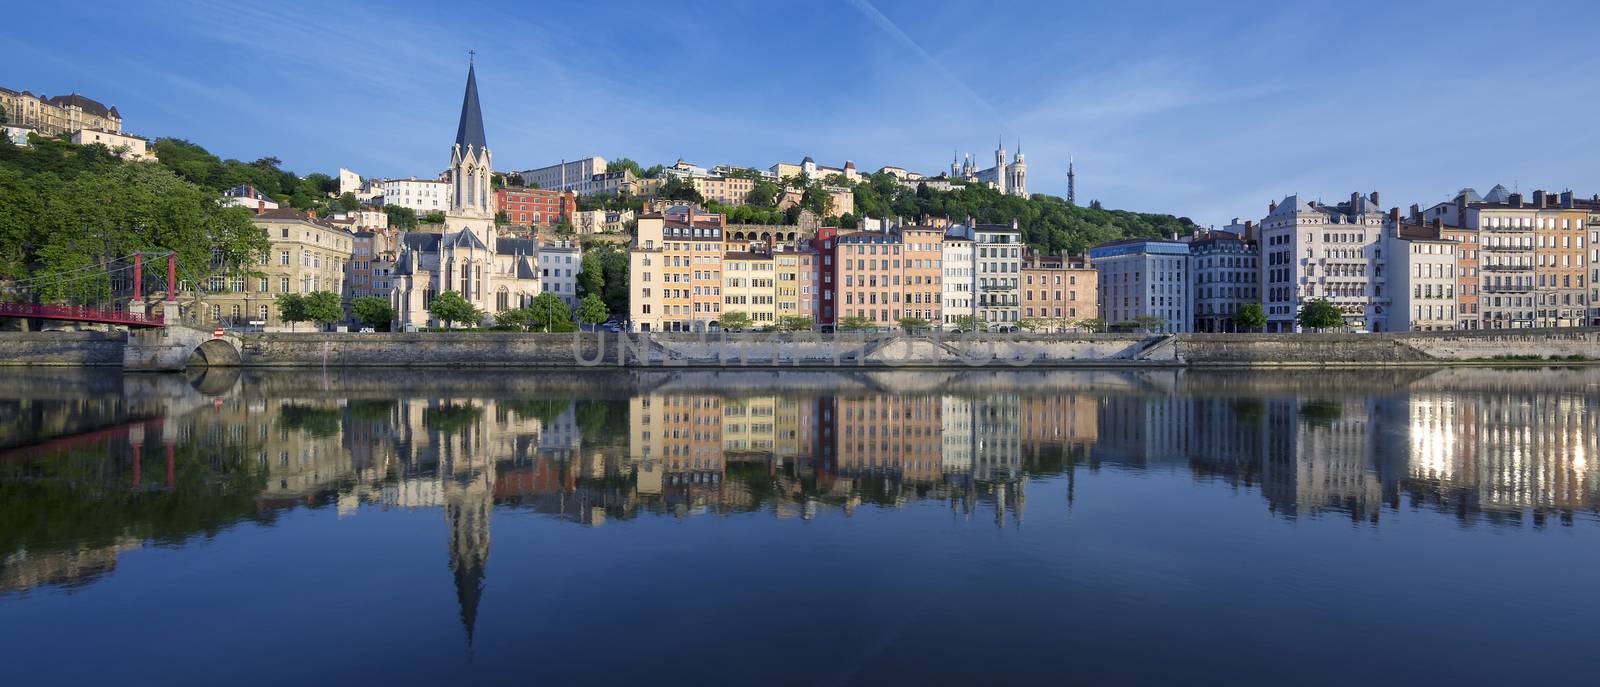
521,318
817,199
680,189
616,279
373,312
856,323
622,164
434,217
401,217
292,309
1092,324
764,194
1251,317
847,221
592,311
1320,314
734,320
796,323
549,312
968,323
912,325
323,307
591,274
347,203
449,307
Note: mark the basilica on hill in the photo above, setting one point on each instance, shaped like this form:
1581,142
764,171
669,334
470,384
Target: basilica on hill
468,256
1010,178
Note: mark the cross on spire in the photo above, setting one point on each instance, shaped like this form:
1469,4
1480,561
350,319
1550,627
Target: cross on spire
471,57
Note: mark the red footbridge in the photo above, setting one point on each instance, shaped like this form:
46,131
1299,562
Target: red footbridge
103,293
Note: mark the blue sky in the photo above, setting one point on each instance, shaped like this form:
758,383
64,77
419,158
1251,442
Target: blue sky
1200,109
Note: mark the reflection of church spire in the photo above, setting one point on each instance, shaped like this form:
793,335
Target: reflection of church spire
468,507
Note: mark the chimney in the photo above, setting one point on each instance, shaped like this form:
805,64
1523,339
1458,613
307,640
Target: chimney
312,214
1438,224
1249,230
1416,213
1515,200
1375,198
1355,201
1272,206
1566,199
1538,198
261,206
1394,216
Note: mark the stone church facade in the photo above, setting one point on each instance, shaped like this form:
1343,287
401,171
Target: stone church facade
468,256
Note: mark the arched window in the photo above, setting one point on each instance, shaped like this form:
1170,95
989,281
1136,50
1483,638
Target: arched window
502,299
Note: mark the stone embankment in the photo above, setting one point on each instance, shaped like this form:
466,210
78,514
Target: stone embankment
175,348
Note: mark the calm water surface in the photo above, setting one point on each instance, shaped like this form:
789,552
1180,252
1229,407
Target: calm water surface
976,527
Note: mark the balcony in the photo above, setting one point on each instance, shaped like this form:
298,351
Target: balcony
1506,268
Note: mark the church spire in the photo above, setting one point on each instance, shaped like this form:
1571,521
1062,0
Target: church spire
470,131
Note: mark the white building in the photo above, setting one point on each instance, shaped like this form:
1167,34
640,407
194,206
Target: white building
998,258
574,175
126,146
1422,278
1312,251
349,182
1145,278
248,197
559,264
422,195
960,278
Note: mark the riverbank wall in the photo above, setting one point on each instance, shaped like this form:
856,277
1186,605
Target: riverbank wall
784,351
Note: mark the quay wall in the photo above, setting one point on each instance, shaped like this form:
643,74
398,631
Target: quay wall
572,352
78,349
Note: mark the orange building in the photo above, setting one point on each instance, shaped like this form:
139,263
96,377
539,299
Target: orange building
675,272
884,276
894,435
1059,290
1559,268
534,206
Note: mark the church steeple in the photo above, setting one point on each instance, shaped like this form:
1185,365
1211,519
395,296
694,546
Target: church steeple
470,131
470,162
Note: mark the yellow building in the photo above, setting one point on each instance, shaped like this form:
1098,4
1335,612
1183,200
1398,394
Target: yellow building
62,114
724,190
796,291
675,272
749,286
306,255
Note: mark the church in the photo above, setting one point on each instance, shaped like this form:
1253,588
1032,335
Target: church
468,255
1009,178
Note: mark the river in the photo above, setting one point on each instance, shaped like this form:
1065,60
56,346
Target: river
756,527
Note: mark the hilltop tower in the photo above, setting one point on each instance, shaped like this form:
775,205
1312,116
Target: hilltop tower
1072,184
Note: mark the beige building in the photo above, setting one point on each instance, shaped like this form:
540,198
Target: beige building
796,289
1058,291
724,190
675,272
749,286
306,255
62,114
127,146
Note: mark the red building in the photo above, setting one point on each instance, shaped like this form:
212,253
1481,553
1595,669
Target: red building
534,206
826,244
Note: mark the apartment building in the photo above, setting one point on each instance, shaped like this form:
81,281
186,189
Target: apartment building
724,190
675,272
959,299
922,273
796,274
869,277
1058,290
126,146
1226,266
749,285
1423,278
826,245
559,263
56,115
534,207
1145,278
997,254
1468,276
370,270
305,255
422,195
577,176
1592,206
1311,251
1535,262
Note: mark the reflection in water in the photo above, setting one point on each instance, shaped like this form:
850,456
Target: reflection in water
160,460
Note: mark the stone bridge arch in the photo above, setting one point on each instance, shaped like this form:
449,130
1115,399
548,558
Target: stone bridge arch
214,353
176,347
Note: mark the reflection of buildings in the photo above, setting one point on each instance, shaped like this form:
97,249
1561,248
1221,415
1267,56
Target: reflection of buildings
1501,452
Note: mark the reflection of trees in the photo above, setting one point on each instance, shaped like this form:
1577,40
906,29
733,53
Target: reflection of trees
545,410
450,418
86,498
371,410
315,421
1321,413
